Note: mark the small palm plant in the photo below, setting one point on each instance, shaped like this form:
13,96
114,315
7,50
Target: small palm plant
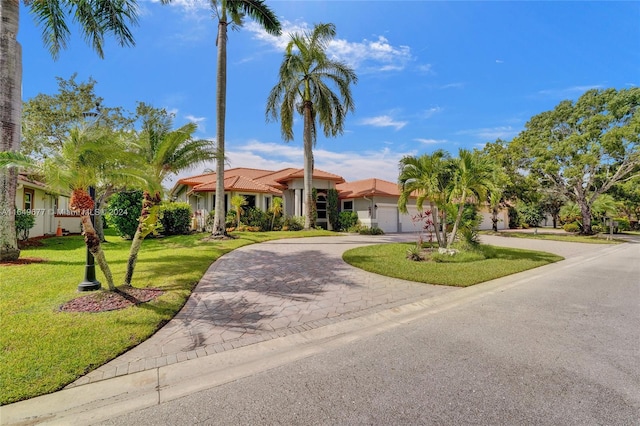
238,202
276,210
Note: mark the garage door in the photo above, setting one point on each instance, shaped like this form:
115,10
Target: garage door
387,218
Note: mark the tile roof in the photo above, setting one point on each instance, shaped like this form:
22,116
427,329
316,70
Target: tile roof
252,180
368,187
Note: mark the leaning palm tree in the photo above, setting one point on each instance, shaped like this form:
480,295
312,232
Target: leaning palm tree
304,83
236,10
165,152
96,19
472,179
427,176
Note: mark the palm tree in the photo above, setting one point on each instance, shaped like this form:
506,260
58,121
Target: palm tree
236,10
75,168
428,177
276,209
238,202
304,73
471,181
96,19
164,152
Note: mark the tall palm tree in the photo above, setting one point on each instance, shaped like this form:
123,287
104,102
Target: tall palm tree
96,19
165,152
427,176
235,10
472,179
304,73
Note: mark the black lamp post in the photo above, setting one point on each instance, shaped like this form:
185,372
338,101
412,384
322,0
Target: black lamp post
90,283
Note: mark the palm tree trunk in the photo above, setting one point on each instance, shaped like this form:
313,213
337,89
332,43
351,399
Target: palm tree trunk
148,203
221,108
93,244
308,165
436,223
10,115
458,218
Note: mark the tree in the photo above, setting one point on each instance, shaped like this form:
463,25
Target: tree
304,75
583,148
471,180
276,209
48,119
96,19
238,202
164,152
628,195
236,10
551,202
426,176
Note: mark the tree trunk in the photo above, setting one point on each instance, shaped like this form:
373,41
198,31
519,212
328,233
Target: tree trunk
585,210
93,244
458,218
308,165
10,115
436,223
219,229
148,203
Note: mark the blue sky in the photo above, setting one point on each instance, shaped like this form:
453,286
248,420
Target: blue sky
431,74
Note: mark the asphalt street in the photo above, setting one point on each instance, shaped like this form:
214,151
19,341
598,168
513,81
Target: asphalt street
557,347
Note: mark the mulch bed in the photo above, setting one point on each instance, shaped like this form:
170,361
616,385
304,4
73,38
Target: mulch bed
105,300
22,261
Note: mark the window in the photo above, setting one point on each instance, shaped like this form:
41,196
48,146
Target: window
321,206
28,203
347,206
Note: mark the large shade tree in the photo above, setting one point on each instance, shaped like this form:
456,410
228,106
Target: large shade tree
96,20
583,148
231,12
306,78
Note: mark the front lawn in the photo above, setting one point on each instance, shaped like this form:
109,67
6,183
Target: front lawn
43,349
461,270
571,238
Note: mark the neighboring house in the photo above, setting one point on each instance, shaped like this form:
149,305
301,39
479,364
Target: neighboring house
374,200
50,210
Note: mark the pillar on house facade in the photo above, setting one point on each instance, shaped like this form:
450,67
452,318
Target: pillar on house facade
297,211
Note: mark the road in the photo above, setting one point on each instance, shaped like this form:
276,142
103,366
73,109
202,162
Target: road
561,346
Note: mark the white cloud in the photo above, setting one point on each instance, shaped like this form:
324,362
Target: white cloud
381,164
452,86
491,133
428,113
383,121
569,92
430,141
365,56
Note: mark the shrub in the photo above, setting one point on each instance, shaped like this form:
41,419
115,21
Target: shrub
175,218
332,208
256,218
530,214
347,220
293,223
571,227
415,253
123,212
597,229
24,222
365,230
623,224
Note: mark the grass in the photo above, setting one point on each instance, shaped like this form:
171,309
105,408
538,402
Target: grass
571,238
43,349
461,270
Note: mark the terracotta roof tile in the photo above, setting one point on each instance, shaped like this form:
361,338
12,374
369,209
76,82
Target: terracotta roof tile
368,187
317,173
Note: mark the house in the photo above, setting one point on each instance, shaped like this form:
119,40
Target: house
50,210
374,200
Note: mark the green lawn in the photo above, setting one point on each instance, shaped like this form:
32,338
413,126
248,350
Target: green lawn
460,270
42,349
572,238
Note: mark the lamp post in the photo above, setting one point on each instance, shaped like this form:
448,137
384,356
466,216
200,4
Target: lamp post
90,283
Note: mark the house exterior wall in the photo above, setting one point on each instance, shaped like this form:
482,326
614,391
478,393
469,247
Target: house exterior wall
49,211
487,223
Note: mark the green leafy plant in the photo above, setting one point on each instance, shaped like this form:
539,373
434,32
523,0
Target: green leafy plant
123,212
571,227
347,220
24,222
415,253
175,218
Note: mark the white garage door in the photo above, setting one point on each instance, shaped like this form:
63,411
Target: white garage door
387,218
